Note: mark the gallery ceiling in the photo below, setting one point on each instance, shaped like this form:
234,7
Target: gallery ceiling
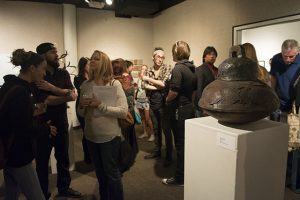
122,8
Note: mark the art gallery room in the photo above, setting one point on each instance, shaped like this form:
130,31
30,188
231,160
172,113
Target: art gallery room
222,160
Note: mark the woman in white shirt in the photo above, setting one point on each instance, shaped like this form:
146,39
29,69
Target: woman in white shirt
102,130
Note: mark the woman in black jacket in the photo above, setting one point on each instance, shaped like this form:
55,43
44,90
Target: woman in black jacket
17,124
183,85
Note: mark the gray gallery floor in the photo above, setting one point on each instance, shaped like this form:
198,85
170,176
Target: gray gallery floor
143,181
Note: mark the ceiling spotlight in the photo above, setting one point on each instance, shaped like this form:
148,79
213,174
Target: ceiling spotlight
87,1
109,2
96,4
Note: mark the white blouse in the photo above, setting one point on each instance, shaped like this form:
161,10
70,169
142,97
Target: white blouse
104,127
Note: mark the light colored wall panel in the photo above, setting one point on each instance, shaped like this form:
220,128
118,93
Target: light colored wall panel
27,24
118,37
204,23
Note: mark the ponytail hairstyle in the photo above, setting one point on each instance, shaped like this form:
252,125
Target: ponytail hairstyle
25,59
181,51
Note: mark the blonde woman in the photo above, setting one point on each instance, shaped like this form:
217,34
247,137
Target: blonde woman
102,131
250,53
183,85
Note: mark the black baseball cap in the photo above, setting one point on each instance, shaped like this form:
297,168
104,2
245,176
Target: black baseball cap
44,47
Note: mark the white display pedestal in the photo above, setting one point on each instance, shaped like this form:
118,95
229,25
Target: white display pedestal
240,162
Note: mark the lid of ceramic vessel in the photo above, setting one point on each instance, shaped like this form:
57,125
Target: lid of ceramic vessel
238,69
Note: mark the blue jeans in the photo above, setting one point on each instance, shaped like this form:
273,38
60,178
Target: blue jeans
22,179
105,157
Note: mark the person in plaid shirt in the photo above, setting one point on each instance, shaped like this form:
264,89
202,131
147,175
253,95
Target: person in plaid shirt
156,78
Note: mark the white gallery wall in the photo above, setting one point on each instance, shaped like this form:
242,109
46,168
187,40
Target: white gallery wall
266,44
209,23
27,24
200,23
128,38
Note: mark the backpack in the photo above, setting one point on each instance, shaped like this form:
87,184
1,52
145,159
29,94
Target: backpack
5,142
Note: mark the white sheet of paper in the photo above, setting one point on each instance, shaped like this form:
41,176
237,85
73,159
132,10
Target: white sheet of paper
107,95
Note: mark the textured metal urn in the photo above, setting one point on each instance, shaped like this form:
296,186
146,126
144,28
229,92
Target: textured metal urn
237,96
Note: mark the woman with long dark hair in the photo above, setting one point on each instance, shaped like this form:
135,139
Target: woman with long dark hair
83,75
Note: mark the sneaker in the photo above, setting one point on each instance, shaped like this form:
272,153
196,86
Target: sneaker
153,155
151,138
70,193
172,181
144,135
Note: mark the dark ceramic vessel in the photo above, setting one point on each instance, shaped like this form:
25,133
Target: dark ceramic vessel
237,96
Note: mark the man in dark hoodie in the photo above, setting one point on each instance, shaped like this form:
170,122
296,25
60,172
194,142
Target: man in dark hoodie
183,85
56,90
17,108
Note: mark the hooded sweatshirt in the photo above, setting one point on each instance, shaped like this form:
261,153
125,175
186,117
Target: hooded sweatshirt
183,81
17,120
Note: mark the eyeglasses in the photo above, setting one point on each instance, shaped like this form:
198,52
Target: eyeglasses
160,57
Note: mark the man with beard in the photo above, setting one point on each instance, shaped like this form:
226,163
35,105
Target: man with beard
205,73
55,90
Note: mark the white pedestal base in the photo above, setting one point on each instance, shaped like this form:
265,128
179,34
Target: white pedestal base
241,162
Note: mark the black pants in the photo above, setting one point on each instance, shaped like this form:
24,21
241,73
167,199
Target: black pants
157,118
84,143
61,146
169,125
105,159
184,112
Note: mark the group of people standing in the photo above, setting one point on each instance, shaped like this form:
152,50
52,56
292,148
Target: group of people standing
36,103
36,111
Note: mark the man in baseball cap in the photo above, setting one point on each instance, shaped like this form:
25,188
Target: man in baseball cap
56,90
44,47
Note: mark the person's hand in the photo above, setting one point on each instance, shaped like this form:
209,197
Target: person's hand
85,100
45,85
94,102
145,78
39,109
53,129
73,95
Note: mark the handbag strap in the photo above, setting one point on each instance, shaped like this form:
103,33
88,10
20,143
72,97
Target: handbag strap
112,82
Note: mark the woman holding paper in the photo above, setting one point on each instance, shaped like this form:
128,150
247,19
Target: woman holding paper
102,131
